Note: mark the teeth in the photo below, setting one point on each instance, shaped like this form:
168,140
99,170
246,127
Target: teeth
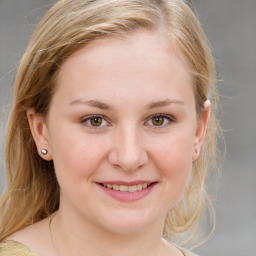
139,187
133,188
125,188
115,187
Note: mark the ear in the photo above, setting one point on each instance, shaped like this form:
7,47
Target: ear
40,133
201,130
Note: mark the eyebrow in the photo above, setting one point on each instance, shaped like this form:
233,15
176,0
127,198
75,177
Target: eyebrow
105,106
163,103
92,103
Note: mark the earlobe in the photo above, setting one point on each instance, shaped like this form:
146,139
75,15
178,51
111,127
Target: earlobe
40,134
201,131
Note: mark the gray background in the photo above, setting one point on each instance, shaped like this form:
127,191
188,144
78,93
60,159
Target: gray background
231,28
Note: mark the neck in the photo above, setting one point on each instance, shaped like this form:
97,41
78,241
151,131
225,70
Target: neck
76,236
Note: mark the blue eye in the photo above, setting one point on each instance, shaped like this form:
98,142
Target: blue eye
160,120
94,121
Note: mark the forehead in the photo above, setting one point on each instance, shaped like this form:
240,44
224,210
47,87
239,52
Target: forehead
144,63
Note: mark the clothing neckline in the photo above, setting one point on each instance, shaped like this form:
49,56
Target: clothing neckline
19,244
30,251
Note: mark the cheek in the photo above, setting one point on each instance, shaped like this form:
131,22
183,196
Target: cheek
175,150
76,156
173,157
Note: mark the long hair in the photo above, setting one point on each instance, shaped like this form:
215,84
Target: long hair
32,189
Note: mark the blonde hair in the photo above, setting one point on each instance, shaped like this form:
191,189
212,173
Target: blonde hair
32,190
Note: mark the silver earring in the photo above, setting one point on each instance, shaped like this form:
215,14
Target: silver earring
44,151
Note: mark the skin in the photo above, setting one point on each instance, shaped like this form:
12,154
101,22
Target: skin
125,82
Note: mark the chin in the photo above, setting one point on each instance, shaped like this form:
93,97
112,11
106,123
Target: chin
128,223
126,228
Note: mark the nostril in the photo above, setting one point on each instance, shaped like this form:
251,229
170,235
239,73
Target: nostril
128,153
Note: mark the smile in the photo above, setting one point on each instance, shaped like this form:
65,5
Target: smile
123,191
125,188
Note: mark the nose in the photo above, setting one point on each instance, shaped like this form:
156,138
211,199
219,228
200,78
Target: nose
128,152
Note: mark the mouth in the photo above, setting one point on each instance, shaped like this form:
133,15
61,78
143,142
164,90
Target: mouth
127,188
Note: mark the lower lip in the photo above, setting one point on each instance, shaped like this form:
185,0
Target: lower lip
128,196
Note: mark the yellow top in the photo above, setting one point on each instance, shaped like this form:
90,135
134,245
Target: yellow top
13,248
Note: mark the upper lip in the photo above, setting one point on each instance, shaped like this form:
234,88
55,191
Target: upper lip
127,183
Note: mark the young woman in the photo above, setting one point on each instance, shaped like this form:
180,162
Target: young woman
111,136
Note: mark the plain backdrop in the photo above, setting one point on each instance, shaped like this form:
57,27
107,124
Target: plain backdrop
231,29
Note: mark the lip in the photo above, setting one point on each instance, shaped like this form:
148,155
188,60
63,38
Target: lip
127,196
126,183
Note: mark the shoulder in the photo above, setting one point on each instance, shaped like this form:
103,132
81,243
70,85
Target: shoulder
13,248
32,240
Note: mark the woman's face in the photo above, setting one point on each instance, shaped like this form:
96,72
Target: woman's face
122,131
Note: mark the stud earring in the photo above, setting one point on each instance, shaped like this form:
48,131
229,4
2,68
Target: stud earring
44,151
197,151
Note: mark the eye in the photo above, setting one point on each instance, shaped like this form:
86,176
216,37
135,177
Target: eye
94,121
160,120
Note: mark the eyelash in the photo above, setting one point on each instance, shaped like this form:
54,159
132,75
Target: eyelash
89,118
169,119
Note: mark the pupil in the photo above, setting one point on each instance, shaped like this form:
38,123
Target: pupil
158,121
96,121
